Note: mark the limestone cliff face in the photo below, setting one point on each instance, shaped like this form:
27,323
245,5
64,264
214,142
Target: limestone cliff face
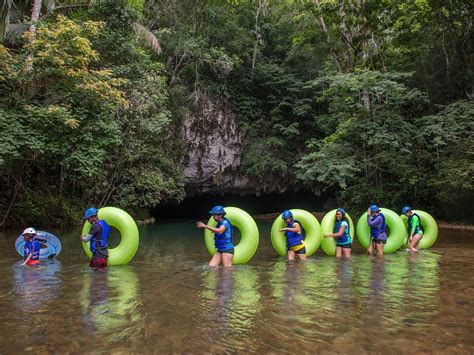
214,150
214,146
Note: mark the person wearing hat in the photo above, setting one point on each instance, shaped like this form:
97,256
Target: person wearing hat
378,237
342,234
32,247
98,236
294,237
415,228
223,237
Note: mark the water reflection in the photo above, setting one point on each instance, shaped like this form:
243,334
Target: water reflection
232,302
34,287
167,302
308,286
110,300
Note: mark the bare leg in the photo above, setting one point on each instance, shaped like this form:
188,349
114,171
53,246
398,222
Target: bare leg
338,252
302,257
414,242
380,247
291,255
227,259
346,252
215,260
370,250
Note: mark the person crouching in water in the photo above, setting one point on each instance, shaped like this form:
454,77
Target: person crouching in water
223,237
342,234
378,237
294,237
98,236
32,248
415,229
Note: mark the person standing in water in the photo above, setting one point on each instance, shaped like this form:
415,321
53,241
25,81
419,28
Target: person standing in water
294,237
32,247
342,234
98,236
223,237
415,229
378,237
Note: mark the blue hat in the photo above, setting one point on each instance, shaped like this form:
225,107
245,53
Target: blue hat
374,208
286,214
342,210
406,209
217,210
91,211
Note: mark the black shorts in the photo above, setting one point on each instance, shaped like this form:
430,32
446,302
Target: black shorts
344,246
226,251
377,241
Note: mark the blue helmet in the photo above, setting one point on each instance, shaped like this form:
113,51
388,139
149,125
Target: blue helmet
91,211
286,214
374,208
342,210
406,209
217,210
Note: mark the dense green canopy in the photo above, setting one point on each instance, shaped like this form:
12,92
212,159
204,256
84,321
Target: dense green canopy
370,99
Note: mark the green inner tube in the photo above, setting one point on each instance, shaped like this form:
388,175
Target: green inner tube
249,236
394,223
311,227
327,226
129,237
430,226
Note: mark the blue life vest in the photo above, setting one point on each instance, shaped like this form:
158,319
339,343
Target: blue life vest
293,238
224,241
346,237
376,231
34,248
101,243
419,228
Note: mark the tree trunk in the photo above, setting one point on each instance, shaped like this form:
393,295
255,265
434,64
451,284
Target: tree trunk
35,13
258,36
322,24
18,186
346,36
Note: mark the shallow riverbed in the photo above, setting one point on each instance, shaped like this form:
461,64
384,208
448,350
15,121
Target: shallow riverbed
168,300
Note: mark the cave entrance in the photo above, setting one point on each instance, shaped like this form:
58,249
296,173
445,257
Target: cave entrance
198,206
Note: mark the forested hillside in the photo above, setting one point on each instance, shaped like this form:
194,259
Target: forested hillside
371,99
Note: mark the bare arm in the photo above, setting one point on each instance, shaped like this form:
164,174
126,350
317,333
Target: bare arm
27,259
219,230
339,233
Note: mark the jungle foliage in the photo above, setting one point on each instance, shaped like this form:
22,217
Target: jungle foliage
371,99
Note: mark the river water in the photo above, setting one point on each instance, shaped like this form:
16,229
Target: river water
168,301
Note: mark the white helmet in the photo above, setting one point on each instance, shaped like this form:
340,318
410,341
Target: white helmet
31,231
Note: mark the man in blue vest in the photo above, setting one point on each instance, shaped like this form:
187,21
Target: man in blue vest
294,237
415,228
98,236
223,237
378,237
